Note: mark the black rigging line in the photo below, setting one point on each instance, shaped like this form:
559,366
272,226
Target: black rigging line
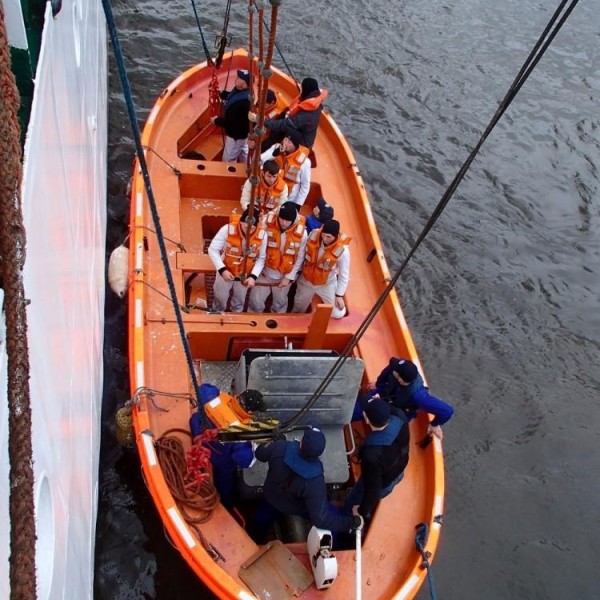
540,47
209,60
545,39
112,29
221,42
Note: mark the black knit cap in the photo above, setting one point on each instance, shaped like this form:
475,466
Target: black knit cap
405,368
377,410
288,211
325,210
312,444
245,75
309,86
245,215
294,136
332,227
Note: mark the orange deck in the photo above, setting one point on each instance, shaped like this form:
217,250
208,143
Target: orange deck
192,207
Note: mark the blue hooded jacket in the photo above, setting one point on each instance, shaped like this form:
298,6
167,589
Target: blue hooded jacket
296,486
225,458
412,398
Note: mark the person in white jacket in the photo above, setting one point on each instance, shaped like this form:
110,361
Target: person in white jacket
271,191
286,243
293,160
326,270
238,253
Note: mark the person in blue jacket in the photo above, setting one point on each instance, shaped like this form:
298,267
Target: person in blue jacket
383,456
295,485
401,384
321,212
226,459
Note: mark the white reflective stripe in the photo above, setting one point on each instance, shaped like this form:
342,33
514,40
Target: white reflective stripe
181,527
149,447
176,82
139,372
139,257
214,403
152,115
138,312
407,587
437,444
139,198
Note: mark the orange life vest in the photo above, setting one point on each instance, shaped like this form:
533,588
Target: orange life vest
278,259
291,165
317,270
234,253
267,198
309,104
225,410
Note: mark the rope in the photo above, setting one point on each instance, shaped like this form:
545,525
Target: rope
253,160
287,66
265,74
192,490
12,252
532,60
252,74
540,47
221,42
209,60
149,192
172,167
421,541
178,244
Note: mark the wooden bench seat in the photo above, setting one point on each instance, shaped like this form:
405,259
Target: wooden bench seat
195,262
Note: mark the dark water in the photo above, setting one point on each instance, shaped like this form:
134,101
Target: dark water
502,299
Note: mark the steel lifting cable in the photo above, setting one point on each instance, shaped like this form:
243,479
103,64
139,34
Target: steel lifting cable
22,579
150,193
540,47
215,103
546,37
221,42
209,59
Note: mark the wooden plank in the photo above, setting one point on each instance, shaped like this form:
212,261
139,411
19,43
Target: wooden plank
318,327
194,261
274,572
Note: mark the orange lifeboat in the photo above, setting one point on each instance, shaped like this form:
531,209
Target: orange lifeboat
195,194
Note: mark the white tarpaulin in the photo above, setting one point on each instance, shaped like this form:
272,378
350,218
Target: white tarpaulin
64,205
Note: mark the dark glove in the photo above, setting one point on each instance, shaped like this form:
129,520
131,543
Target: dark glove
358,523
276,152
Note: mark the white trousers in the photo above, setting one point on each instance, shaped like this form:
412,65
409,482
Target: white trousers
235,150
221,291
260,293
305,291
